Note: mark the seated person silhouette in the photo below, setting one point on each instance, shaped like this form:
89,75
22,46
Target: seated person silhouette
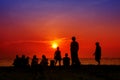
23,61
44,61
66,60
16,62
34,62
52,63
27,61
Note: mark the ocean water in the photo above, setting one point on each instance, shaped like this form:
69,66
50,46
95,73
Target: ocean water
84,61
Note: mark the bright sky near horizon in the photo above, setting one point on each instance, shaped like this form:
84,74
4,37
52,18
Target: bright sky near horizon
31,27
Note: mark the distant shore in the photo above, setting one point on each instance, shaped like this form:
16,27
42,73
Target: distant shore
83,72
84,61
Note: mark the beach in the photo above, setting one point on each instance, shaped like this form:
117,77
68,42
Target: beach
84,61
83,72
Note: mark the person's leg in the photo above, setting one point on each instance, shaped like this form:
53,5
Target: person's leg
55,62
76,59
98,62
59,62
77,62
72,58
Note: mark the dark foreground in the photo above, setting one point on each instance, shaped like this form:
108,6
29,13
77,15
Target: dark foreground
84,72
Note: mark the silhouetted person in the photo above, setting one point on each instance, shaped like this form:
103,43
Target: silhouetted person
35,67
23,61
97,53
16,62
74,47
34,62
27,61
52,63
57,56
66,61
44,61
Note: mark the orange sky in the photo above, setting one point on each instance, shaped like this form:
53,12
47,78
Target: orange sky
30,27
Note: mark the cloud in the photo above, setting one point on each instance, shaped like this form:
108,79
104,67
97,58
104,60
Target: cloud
59,40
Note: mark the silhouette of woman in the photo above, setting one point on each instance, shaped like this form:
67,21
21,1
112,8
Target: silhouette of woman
74,47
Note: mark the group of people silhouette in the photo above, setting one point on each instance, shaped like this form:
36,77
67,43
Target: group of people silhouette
57,58
22,61
74,47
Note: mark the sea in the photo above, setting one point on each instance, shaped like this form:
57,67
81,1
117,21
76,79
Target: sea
84,61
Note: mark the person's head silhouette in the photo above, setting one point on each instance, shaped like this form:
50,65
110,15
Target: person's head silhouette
73,38
57,48
66,54
17,56
43,56
34,57
23,56
97,43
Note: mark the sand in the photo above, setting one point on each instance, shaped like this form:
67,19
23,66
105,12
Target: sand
84,72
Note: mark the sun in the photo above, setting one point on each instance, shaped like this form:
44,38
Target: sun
54,45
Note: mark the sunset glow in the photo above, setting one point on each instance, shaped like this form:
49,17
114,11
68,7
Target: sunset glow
39,26
54,45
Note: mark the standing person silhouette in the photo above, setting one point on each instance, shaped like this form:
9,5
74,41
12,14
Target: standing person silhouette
74,47
57,56
97,53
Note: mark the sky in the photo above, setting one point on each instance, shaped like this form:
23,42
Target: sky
30,27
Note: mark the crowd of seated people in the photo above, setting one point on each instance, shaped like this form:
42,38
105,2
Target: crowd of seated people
23,61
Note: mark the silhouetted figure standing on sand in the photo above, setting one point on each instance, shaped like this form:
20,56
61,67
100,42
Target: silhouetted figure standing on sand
57,56
97,53
74,47
66,60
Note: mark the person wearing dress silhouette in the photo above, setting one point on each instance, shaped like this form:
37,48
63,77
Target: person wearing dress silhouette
97,53
74,47
66,60
44,61
57,56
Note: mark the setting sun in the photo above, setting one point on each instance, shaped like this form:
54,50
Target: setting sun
54,45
